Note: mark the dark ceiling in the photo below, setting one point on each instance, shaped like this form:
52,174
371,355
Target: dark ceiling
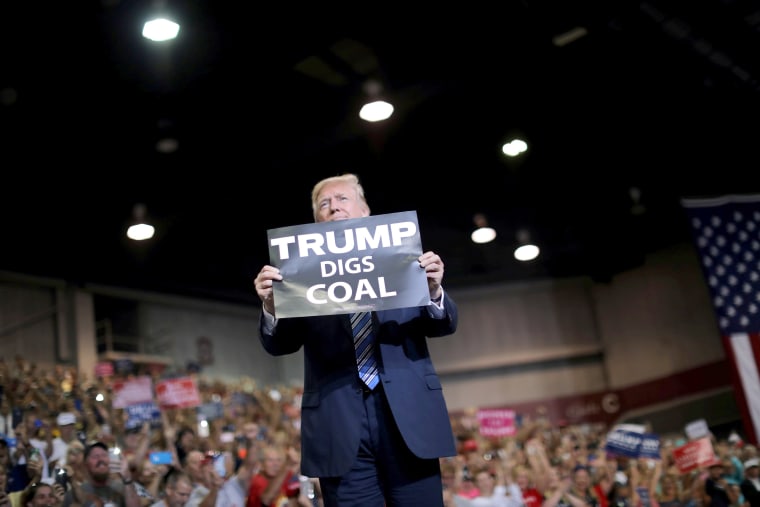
263,100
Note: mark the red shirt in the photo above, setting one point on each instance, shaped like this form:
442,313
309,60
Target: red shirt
532,497
259,483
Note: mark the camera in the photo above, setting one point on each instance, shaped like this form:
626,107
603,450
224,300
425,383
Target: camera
62,477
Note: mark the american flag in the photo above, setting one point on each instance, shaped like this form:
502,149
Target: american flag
726,232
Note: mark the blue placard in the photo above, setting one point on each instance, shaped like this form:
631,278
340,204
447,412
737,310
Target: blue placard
632,444
142,412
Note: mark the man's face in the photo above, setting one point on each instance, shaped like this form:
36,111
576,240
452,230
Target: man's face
273,463
251,431
338,201
179,494
194,465
68,432
98,463
44,496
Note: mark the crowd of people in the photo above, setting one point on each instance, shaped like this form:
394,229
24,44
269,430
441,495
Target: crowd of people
63,444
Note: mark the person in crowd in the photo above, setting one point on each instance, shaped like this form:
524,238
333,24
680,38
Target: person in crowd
34,471
235,489
668,494
448,474
184,442
750,485
645,476
531,496
105,483
268,486
6,464
622,494
41,494
378,442
5,500
494,489
39,439
206,482
694,489
23,454
67,433
294,496
717,487
176,491
74,462
148,479
583,488
559,490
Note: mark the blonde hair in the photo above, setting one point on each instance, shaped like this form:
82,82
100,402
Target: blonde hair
349,178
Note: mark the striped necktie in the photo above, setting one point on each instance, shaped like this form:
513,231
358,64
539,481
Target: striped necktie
364,343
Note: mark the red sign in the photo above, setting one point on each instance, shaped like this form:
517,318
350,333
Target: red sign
693,455
178,393
104,369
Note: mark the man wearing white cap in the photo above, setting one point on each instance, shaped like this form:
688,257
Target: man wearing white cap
66,422
750,486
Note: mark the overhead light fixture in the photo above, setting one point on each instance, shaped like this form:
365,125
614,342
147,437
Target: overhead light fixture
375,109
140,230
160,30
483,233
526,250
514,147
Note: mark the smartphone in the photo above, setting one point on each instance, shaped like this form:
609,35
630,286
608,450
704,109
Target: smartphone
17,416
62,477
114,456
220,466
161,458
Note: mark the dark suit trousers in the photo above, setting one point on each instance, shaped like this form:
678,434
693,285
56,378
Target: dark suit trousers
385,472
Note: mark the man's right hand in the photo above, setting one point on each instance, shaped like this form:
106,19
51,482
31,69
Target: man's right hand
263,284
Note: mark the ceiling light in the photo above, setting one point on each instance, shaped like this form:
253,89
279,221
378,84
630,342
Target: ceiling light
514,147
160,30
140,230
376,111
483,233
527,250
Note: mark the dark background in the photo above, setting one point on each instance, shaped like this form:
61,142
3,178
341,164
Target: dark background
661,97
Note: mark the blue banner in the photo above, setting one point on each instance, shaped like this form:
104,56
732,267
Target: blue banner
634,445
142,412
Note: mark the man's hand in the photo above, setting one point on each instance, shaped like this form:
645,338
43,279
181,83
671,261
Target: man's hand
263,284
433,266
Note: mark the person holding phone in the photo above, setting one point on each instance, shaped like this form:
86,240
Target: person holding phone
67,433
39,441
104,486
5,500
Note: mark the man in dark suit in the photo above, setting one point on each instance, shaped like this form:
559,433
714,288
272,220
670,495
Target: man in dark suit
750,486
371,444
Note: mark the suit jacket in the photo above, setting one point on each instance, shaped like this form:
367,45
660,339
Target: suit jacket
750,492
333,394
